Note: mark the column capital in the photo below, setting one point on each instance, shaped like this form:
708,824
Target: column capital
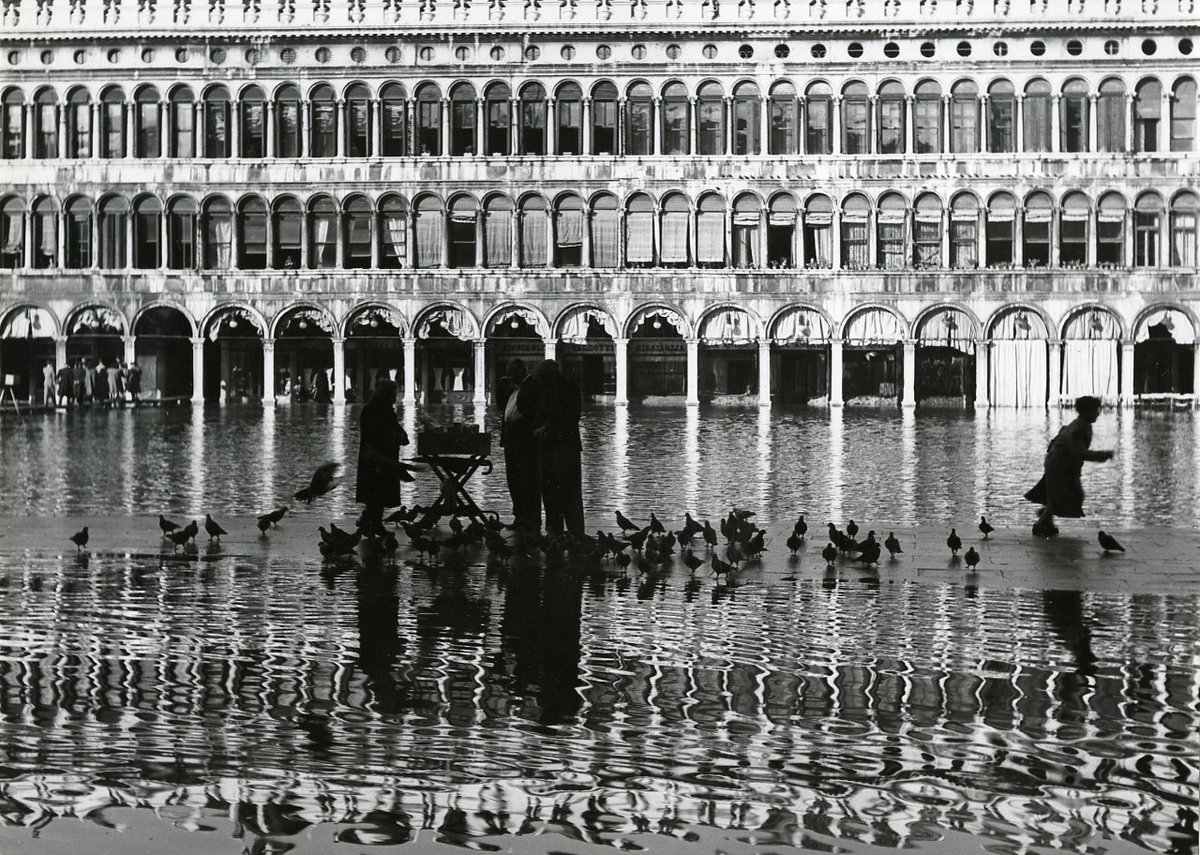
195,340
268,343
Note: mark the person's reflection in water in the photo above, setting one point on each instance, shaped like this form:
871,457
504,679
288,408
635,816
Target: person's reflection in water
379,644
1064,611
542,611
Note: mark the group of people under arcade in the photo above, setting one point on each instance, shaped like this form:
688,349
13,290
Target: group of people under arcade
90,381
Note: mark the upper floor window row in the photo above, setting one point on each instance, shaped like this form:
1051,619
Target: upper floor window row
495,120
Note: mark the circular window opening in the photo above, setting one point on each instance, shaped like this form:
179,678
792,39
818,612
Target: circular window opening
148,55
47,57
710,51
462,54
288,55
891,50
928,49
568,52
818,51
1112,47
603,52
855,50
497,53
1037,48
80,57
1000,48
182,55
1149,47
358,54
782,51
1185,47
113,55
638,52
745,51
1074,47
532,52
14,56
253,57
217,55
323,54
425,54
392,54
964,48
673,51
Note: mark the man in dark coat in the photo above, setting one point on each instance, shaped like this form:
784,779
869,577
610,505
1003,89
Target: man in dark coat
517,398
560,449
1061,488
379,468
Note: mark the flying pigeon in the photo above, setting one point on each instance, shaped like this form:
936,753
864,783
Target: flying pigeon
323,480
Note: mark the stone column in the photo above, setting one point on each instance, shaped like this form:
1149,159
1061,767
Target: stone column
693,120
1195,372
130,343
909,398
835,238
514,128
444,136
197,368
983,141
480,260
480,135
410,372
764,373
1054,229
656,126
835,372
339,127
621,351
620,239
1019,123
480,372
269,130
1093,137
1128,123
1054,363
94,122
303,123
835,133
982,363
945,124
164,129
550,344
376,121
586,130
764,125
60,351
693,372
235,129
339,243
1163,143
410,131
130,111
1055,123
727,124
1093,231
910,126
585,245
268,349
802,127
1125,372
551,127
339,370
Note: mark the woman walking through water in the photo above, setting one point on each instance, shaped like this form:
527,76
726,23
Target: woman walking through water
1060,489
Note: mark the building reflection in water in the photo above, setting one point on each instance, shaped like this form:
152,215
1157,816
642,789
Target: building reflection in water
691,459
620,460
196,458
267,497
908,458
762,459
837,459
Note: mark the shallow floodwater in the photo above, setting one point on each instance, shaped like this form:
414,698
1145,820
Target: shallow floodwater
220,704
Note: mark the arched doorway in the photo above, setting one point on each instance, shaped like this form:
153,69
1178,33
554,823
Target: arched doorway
445,356
871,363
304,355
233,356
658,355
26,346
945,359
801,353
586,351
1018,369
1090,356
1164,355
96,334
728,354
163,350
512,333
374,350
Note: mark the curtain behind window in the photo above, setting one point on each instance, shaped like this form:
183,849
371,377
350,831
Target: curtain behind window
497,238
675,237
710,237
605,238
639,237
429,238
533,238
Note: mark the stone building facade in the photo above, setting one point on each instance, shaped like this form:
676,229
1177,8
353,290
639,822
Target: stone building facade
908,201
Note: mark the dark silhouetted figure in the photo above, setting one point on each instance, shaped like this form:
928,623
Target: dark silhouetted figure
1060,489
560,449
379,468
518,397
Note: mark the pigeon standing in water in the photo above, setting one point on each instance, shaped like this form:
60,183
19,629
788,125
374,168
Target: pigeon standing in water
80,538
323,480
972,558
985,527
166,525
954,542
801,527
830,554
625,524
852,528
1107,542
213,528
893,545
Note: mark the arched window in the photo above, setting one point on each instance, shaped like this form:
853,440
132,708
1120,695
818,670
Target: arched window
112,123
497,106
676,130
182,109
393,232
217,224
604,118
1035,229
147,141
1036,119
927,232
785,119
79,123
605,235
45,233
533,119
147,226
252,113
964,232
818,115
287,122
322,134
114,214
818,232
568,111
1001,227
462,119
12,233
181,233
964,117
252,233
747,119
322,233
781,231
639,231
891,233
711,244
392,109
1001,118
1183,229
1110,231
675,215
216,122
79,233
358,121
639,120
856,125
1110,117
45,124
288,222
534,230
1073,230
568,232
429,120
1073,117
497,231
891,118
1147,115
856,216
356,224
1183,115
463,216
13,145
747,240
430,232
1147,230
927,118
